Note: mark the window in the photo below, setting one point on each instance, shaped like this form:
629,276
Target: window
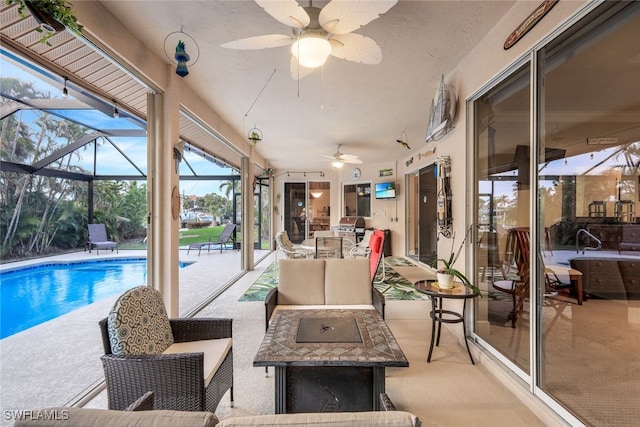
357,199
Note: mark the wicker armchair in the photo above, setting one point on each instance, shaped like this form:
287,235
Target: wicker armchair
186,379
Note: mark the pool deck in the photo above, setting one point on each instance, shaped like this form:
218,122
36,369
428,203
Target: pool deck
63,354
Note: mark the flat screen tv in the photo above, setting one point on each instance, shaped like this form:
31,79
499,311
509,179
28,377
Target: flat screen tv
385,190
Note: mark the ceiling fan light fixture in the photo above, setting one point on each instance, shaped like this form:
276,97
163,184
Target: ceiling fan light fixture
337,164
316,194
311,50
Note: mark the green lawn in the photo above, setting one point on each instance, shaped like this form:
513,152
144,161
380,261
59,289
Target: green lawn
189,236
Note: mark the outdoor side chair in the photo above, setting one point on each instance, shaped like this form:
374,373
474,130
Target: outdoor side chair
186,363
225,237
98,238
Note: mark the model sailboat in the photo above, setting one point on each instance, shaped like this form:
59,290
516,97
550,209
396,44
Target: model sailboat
443,110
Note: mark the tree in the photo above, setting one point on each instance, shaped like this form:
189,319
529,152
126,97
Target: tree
229,187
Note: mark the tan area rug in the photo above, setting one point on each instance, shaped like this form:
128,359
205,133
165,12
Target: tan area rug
414,274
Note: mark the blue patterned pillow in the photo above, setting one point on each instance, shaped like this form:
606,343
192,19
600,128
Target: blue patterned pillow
138,323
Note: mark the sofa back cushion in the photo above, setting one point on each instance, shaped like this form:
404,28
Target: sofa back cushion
138,323
301,281
86,417
347,281
325,419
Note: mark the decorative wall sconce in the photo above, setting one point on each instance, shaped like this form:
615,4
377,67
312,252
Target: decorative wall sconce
255,135
175,47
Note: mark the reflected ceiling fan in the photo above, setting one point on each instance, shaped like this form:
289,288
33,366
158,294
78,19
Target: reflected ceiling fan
318,33
338,159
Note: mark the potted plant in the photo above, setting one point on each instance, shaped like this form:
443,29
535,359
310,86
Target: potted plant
52,15
447,274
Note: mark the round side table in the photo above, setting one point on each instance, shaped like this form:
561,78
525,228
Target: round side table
439,315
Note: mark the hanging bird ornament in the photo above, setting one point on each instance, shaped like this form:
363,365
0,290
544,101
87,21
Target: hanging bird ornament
182,57
404,141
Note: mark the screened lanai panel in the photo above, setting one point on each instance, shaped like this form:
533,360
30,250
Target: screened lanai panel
98,120
121,157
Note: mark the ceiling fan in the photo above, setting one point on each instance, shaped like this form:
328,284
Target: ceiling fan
318,33
338,159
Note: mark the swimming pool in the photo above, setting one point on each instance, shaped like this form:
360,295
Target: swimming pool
32,295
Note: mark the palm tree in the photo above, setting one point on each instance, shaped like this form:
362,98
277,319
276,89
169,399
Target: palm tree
229,187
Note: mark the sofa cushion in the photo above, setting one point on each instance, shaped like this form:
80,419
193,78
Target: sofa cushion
214,353
327,419
347,281
301,281
138,323
85,417
321,307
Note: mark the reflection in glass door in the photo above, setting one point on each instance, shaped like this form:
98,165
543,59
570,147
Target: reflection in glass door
502,201
427,211
422,227
306,208
589,135
295,210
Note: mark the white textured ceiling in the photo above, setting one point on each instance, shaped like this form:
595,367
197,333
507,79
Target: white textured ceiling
363,107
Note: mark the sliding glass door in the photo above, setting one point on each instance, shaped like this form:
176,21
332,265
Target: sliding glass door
556,187
307,208
502,192
588,177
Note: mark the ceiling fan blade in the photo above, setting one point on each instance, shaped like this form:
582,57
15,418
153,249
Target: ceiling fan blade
289,12
356,48
298,72
260,42
344,16
352,161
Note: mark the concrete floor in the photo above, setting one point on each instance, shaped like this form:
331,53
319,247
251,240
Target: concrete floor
50,364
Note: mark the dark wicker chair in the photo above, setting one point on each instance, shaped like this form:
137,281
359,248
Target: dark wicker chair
177,380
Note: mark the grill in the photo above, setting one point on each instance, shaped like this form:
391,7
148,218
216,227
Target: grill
351,227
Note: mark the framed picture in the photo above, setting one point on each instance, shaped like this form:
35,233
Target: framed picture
386,172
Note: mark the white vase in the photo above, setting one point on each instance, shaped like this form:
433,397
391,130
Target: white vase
445,280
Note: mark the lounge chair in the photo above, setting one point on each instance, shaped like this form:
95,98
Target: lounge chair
98,238
225,237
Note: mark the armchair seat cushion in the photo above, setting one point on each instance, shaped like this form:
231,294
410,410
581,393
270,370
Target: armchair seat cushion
138,323
214,353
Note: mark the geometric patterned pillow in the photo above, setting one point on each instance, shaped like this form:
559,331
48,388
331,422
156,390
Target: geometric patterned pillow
138,323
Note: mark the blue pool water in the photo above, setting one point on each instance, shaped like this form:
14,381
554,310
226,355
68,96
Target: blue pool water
32,295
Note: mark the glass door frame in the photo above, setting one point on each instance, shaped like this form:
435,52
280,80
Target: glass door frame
537,129
305,215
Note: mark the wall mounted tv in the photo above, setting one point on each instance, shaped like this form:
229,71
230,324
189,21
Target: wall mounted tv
385,190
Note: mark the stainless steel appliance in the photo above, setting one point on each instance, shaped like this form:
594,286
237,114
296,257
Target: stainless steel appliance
351,227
